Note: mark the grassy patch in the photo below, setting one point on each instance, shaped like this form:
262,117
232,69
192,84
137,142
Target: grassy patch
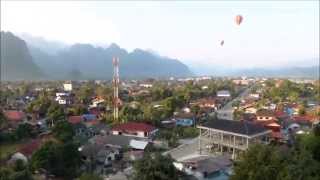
8,149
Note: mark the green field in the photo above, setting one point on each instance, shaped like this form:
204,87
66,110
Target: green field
7,149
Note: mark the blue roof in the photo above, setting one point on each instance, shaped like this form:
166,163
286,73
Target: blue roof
184,122
289,111
89,117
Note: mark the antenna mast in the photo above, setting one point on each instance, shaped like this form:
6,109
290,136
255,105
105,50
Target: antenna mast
116,80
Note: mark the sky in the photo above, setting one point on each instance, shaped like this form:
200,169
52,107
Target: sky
273,33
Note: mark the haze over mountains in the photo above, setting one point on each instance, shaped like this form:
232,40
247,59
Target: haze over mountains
38,58
308,69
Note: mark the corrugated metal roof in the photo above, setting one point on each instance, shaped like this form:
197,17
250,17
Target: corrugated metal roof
240,127
138,144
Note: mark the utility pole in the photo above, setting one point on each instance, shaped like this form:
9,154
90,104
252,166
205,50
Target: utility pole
116,80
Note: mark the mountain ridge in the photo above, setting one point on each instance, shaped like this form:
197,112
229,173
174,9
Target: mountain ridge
16,60
94,62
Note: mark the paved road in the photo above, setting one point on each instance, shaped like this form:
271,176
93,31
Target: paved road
189,148
226,112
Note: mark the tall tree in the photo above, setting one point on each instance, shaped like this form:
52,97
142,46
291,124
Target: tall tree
62,160
55,113
155,166
63,131
264,162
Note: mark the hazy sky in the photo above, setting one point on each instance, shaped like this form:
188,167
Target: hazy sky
272,33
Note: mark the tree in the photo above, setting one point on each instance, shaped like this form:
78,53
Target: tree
24,130
3,119
84,94
62,160
236,103
71,159
5,173
55,113
302,110
21,175
103,91
45,157
302,161
19,171
316,130
238,113
195,109
40,105
155,166
260,162
19,165
63,131
77,110
293,96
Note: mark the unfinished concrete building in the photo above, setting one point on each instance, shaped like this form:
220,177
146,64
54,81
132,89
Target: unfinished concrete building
230,137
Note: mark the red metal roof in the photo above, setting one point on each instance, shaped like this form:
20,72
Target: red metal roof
133,127
280,114
304,118
75,119
29,148
13,115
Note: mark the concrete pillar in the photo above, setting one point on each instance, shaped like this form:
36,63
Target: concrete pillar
233,149
199,140
221,146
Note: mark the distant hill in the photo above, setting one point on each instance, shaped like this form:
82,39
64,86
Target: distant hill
96,63
47,46
38,56
16,60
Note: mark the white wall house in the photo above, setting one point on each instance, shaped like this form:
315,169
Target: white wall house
67,87
134,129
146,85
224,93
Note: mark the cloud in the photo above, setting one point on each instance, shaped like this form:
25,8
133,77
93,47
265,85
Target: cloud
65,21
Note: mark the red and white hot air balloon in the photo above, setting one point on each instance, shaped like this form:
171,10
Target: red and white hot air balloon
238,19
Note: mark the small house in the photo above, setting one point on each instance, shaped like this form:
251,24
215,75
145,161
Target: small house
14,117
134,129
265,115
184,119
224,94
67,86
207,103
184,122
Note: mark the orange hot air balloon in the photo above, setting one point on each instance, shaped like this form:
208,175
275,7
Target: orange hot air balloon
239,19
222,42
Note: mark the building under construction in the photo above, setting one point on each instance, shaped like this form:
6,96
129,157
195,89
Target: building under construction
230,137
